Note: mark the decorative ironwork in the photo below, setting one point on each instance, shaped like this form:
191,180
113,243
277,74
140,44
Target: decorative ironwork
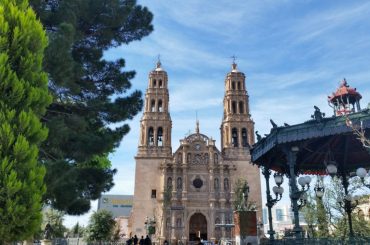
278,190
317,115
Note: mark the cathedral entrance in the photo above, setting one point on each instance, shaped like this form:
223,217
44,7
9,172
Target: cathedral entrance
197,227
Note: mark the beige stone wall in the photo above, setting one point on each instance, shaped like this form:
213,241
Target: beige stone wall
245,170
147,178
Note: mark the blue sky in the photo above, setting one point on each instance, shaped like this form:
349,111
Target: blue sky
294,53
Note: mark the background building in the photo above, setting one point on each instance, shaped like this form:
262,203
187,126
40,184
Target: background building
190,190
282,219
120,206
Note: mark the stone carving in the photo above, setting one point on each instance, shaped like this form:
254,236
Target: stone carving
259,137
200,159
318,115
197,137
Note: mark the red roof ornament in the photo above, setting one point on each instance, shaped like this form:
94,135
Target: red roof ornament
345,100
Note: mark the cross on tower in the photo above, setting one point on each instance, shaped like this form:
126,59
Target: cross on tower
234,58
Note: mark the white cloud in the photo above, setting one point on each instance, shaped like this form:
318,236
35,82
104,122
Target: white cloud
193,94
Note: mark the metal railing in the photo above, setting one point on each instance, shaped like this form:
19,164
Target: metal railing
320,241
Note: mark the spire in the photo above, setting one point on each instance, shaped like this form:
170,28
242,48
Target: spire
197,123
234,65
159,64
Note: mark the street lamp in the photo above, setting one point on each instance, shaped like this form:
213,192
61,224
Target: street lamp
278,178
301,195
278,191
331,168
346,202
319,190
362,173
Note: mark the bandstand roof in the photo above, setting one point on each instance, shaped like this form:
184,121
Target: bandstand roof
319,140
343,92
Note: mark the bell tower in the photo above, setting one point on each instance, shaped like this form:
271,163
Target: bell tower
237,128
237,135
155,125
154,149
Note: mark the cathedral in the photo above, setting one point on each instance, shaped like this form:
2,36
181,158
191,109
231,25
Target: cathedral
188,193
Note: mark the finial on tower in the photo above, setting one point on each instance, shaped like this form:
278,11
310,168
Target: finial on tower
197,123
159,64
344,83
234,65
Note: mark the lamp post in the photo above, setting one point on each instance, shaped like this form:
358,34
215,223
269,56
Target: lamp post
319,188
346,202
348,205
362,173
278,191
304,182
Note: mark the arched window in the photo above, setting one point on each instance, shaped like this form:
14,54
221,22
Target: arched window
160,83
217,184
179,157
233,85
241,107
244,137
179,183
217,221
178,222
215,158
160,136
168,223
160,106
188,158
150,136
207,158
169,183
226,184
233,107
234,137
239,87
154,83
152,106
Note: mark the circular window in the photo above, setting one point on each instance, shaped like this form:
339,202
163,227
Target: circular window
198,183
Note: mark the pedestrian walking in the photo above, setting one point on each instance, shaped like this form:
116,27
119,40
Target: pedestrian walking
147,241
142,241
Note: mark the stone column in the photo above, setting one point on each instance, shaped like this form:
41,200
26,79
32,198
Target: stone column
173,225
223,218
212,221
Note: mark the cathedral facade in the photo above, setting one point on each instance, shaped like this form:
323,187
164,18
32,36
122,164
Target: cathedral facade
188,193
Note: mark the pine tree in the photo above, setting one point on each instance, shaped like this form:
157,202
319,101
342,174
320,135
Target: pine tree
23,99
89,94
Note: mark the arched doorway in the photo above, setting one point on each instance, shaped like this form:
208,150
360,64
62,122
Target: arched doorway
197,227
